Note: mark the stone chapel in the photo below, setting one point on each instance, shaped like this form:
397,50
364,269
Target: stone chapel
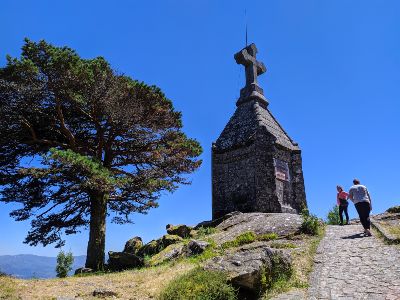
256,166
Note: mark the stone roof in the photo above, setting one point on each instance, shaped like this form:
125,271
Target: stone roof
243,125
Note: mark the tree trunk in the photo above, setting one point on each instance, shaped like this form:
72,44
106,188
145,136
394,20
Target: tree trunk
97,234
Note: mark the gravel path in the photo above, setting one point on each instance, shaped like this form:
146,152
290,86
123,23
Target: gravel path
349,266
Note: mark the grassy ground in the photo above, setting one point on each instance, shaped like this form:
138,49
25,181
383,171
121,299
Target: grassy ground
8,288
303,262
147,283
395,230
134,285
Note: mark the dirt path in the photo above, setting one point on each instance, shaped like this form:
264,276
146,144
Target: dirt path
349,266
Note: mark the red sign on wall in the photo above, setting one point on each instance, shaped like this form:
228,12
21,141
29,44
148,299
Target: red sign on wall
281,170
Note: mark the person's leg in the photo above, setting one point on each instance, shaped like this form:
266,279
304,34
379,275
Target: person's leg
367,210
360,213
341,214
346,213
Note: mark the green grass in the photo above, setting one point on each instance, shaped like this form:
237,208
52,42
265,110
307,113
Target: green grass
277,278
395,230
8,287
244,238
199,284
97,273
210,252
204,231
303,262
283,245
267,237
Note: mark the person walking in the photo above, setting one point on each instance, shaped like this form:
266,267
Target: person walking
343,204
358,193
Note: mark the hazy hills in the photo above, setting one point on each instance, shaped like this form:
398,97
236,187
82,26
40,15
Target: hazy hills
33,266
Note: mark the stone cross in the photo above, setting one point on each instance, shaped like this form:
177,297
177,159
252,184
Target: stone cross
253,67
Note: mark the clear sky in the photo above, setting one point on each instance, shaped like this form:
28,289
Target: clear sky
333,82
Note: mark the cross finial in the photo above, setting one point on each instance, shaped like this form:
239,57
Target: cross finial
253,68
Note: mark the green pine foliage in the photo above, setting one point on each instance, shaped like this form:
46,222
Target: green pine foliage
199,284
333,216
64,264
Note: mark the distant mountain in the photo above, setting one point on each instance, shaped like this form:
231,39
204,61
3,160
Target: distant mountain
33,266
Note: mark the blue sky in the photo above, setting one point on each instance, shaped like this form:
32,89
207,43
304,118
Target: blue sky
333,82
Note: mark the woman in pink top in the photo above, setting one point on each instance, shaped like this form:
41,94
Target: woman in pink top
343,204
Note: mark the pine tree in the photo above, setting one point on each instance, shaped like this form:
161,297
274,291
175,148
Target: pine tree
99,142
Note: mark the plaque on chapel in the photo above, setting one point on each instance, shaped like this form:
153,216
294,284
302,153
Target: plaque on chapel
281,170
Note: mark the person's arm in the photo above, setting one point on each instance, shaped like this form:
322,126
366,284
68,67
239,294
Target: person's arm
337,199
350,196
370,200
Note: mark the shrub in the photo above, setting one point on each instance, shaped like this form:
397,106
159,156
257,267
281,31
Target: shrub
311,224
199,284
245,238
394,209
64,264
333,216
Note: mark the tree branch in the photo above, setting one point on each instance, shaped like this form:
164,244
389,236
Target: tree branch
64,128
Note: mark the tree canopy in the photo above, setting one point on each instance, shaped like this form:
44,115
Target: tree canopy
78,141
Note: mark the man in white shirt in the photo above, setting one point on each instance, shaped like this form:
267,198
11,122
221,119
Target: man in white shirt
359,195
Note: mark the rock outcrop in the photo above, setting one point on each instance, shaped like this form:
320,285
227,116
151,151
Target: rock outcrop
180,230
195,247
170,239
251,264
282,224
133,245
83,270
252,267
171,252
216,222
122,260
151,248
388,224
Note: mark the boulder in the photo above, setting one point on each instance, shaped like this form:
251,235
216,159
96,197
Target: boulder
282,224
180,230
252,268
171,252
83,270
118,261
216,222
170,239
133,245
151,248
196,247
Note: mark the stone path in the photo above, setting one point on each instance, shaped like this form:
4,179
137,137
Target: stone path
348,266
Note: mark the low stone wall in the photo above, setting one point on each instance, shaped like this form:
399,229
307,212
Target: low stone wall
387,236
